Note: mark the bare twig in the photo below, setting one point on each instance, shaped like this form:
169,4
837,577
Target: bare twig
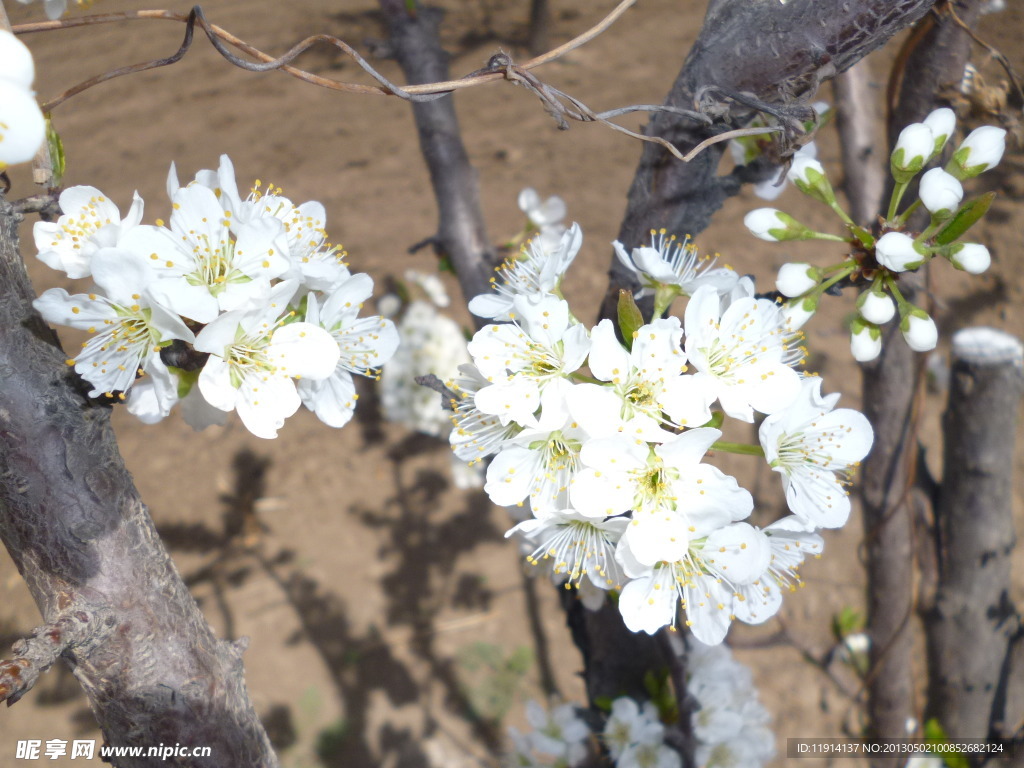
499,67
79,628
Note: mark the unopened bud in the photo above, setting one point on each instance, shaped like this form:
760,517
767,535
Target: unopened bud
914,148
876,307
942,122
796,279
980,151
798,311
809,177
940,193
865,341
919,330
973,258
773,225
897,252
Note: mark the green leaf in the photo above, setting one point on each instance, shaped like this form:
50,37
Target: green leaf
630,318
964,219
935,734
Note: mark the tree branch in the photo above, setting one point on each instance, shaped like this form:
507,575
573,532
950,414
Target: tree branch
74,524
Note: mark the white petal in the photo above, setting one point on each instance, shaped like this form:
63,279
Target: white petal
331,399
303,350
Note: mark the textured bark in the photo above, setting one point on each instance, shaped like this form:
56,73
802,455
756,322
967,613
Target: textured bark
889,386
79,534
969,629
859,122
936,59
462,234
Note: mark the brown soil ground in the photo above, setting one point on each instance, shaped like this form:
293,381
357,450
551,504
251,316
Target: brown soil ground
371,582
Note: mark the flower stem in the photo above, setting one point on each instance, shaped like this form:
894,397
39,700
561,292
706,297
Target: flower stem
741,448
894,201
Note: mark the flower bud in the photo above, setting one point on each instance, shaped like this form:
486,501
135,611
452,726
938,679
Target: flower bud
914,148
876,307
865,341
22,125
981,150
919,330
809,177
897,252
798,311
940,193
796,279
972,258
18,67
941,122
773,225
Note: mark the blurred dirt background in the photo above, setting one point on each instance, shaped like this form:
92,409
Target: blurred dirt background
387,615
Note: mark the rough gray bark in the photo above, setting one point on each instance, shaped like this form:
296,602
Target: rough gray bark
462,234
74,524
971,623
889,384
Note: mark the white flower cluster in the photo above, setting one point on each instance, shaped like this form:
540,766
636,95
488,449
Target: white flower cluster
612,460
878,261
431,343
558,739
730,725
22,127
238,304
635,737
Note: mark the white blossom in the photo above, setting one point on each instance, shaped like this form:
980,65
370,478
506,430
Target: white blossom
364,344
475,434
254,356
541,461
673,262
90,222
815,448
545,216
536,272
205,262
22,125
576,546
744,355
520,359
127,325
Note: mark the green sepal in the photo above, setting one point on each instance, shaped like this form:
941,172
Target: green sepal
965,218
717,417
186,380
55,147
630,317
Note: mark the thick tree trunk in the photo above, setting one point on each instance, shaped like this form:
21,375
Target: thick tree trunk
970,626
83,541
936,59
